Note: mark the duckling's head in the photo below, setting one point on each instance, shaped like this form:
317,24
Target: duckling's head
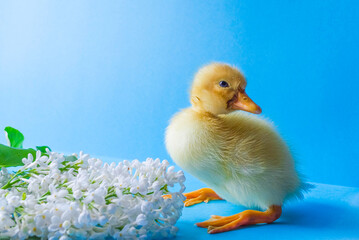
219,89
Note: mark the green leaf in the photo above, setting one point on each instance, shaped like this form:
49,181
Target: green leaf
70,158
14,137
42,148
12,157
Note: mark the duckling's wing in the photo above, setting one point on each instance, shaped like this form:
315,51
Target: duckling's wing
252,143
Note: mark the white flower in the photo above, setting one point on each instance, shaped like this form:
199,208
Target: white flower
64,237
58,197
146,207
97,195
13,200
29,202
56,225
34,186
42,219
139,186
4,177
84,219
6,220
28,160
32,230
5,206
70,212
77,194
141,220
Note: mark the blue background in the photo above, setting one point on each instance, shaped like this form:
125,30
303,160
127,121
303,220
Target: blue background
105,77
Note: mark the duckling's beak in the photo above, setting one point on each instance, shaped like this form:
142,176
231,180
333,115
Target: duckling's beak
241,101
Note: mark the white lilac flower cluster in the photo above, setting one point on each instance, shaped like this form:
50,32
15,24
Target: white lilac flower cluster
78,197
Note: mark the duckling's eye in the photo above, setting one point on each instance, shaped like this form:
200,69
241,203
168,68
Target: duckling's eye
223,84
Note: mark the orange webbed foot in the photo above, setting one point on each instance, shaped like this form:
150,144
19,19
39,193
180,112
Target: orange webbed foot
200,195
218,224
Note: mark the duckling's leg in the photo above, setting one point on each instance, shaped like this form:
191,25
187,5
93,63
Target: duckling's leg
198,196
218,224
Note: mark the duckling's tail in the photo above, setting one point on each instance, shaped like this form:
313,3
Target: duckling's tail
303,188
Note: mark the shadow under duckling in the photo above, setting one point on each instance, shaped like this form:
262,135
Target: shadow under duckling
240,157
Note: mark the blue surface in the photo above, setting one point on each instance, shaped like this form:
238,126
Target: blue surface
106,77
328,212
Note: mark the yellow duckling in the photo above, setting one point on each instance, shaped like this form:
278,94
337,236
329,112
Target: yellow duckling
239,156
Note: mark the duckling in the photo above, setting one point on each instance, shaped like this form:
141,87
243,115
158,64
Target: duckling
239,156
